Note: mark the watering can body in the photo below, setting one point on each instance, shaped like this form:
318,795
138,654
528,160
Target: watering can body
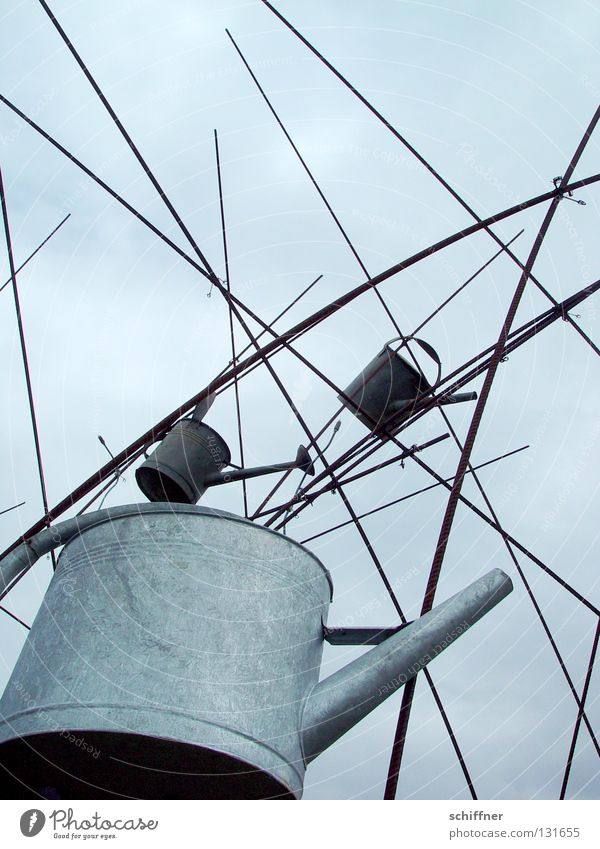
177,655
388,389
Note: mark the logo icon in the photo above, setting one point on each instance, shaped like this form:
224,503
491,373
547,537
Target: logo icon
32,822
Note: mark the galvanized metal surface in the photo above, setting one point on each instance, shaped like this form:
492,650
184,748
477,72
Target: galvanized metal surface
388,388
190,626
277,343
183,645
177,470
347,696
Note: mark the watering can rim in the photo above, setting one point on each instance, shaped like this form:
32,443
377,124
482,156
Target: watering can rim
128,510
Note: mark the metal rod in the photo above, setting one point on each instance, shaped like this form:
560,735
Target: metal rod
407,497
275,344
313,180
231,328
13,616
427,165
32,413
447,521
131,144
584,694
39,247
14,507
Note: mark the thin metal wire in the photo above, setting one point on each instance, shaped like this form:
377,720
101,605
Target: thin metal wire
407,497
16,618
231,328
427,165
584,694
14,507
32,413
447,521
33,253
527,586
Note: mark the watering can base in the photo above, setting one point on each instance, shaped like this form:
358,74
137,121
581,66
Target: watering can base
121,765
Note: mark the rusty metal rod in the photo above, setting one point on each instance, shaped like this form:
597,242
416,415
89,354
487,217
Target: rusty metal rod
33,253
447,521
427,165
131,144
409,496
24,356
231,328
280,339
580,714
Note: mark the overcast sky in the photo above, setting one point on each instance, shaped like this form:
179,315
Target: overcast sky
120,330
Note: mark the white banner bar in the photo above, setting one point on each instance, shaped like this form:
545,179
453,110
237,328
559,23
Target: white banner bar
279,825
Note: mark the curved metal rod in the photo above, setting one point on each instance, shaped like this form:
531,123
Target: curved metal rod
279,341
447,521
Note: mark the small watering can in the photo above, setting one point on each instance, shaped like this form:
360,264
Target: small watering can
190,459
389,387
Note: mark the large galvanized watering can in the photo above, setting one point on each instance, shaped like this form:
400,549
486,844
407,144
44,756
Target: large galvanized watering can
177,654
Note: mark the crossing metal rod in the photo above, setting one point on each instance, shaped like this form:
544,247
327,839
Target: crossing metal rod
236,388
408,496
580,713
279,341
427,165
447,521
24,356
37,250
517,338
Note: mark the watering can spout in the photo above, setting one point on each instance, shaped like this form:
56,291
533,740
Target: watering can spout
347,696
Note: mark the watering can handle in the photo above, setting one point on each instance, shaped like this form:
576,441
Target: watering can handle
429,350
